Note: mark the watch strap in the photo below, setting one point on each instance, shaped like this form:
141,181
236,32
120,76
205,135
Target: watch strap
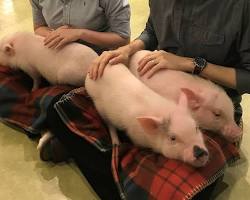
199,65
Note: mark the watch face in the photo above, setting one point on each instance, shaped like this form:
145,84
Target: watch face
200,64
200,61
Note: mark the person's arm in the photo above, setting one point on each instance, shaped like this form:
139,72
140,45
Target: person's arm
103,39
243,73
148,36
222,75
39,23
64,35
120,55
213,72
117,13
234,77
157,60
147,40
42,30
118,17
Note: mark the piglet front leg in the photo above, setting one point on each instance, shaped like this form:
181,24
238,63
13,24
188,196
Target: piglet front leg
36,77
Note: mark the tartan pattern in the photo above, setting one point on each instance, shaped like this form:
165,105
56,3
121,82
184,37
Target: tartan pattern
230,150
162,178
21,107
81,117
139,173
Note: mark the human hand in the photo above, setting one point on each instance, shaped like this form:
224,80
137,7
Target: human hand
61,36
120,55
157,60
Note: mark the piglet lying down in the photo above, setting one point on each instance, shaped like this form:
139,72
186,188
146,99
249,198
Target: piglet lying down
211,106
150,120
26,51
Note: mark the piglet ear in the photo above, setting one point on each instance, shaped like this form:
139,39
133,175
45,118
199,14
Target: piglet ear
194,100
150,124
9,49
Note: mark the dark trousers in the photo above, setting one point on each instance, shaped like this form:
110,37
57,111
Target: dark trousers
95,165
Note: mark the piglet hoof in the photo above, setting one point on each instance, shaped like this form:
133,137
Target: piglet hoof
36,84
201,156
34,88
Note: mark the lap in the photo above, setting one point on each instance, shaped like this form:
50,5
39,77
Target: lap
94,164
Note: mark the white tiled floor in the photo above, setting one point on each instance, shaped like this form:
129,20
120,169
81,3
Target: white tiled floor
25,177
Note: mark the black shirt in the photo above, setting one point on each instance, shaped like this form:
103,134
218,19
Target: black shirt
217,30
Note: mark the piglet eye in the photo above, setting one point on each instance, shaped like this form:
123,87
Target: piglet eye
172,138
217,114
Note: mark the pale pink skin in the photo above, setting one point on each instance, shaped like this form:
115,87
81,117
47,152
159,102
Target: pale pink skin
26,51
205,98
150,120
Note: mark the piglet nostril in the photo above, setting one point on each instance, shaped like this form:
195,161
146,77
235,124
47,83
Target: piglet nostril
199,152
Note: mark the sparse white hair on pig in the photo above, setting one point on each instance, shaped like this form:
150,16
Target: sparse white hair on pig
26,51
212,108
149,120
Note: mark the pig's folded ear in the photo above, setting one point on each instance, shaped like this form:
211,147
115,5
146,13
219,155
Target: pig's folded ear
9,49
150,124
194,100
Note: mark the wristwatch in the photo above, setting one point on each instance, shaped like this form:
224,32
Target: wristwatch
199,65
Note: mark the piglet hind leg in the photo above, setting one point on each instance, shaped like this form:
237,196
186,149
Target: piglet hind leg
36,77
36,83
113,135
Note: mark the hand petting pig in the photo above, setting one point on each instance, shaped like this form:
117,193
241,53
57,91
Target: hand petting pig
150,120
27,52
211,106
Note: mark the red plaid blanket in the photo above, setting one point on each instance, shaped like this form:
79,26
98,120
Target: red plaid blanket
139,173
21,107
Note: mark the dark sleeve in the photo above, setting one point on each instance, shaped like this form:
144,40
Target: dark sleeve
148,35
118,15
38,19
243,73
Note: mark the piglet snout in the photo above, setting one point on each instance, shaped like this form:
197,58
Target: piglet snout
199,152
232,132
